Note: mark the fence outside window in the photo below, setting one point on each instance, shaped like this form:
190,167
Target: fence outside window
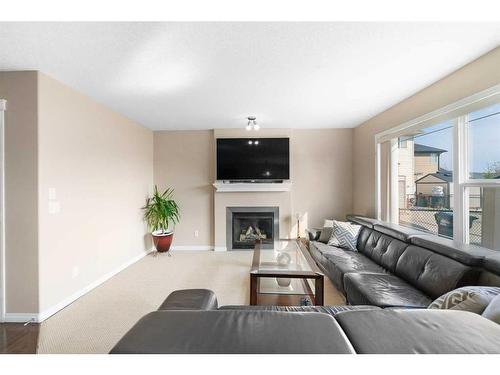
427,213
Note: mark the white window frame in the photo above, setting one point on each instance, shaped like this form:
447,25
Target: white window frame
457,111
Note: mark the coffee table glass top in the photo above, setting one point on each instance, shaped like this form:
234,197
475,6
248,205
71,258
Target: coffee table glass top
285,257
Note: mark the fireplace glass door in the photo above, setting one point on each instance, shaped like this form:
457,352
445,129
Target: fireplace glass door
250,226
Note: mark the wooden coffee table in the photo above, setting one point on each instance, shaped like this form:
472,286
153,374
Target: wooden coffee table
285,275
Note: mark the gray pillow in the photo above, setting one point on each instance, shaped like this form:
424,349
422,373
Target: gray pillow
475,303
328,223
345,235
469,298
325,235
492,311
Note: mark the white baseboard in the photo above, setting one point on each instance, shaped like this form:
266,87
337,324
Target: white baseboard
192,247
220,248
22,317
61,305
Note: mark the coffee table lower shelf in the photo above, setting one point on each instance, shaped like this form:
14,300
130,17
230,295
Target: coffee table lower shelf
267,299
286,299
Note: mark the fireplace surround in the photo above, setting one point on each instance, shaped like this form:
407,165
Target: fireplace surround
246,224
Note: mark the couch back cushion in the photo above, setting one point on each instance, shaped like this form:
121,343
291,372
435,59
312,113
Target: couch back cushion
363,236
433,273
487,278
382,249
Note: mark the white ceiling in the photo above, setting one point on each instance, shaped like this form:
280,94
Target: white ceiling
213,75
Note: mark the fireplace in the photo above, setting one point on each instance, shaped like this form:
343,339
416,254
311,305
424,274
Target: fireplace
244,225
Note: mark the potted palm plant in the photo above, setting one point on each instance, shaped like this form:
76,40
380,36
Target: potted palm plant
160,212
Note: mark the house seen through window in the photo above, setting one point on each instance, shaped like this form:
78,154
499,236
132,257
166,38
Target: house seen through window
425,175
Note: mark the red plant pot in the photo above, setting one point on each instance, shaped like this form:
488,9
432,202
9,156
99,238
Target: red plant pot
162,241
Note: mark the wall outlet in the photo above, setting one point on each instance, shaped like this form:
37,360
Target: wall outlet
75,272
52,194
196,233
54,207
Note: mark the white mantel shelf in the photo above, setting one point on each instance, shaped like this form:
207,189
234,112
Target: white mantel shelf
221,187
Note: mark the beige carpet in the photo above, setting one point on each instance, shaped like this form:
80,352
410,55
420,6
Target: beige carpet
96,321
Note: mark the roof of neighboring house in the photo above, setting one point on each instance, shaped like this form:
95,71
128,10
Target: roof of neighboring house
423,149
442,174
447,176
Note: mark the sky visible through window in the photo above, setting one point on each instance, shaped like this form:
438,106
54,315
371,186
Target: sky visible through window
484,139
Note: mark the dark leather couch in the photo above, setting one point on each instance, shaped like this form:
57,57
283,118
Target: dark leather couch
400,267
191,322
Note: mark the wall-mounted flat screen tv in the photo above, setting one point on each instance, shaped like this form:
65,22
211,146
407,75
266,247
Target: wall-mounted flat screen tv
253,159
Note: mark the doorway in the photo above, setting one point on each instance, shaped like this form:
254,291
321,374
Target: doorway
3,105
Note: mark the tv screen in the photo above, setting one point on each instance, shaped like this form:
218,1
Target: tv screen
247,159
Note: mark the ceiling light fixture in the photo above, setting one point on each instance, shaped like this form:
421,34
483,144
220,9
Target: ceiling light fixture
252,123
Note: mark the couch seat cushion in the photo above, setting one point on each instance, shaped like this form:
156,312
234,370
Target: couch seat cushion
384,290
347,262
419,331
323,248
338,262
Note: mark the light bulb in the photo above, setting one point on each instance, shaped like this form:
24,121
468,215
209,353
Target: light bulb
256,126
248,127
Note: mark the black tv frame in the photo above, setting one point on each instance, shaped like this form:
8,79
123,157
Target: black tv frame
250,180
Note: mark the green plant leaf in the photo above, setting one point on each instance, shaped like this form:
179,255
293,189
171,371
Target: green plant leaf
160,210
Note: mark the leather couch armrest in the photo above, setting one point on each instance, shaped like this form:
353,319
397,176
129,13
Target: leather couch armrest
190,299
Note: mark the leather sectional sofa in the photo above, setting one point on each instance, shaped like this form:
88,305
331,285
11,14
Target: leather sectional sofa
400,267
189,322
388,283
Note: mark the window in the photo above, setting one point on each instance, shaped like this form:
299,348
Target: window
425,184
484,217
483,169
441,174
484,143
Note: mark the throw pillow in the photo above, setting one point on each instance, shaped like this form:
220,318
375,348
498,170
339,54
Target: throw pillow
476,303
492,311
328,223
333,241
325,234
345,235
469,298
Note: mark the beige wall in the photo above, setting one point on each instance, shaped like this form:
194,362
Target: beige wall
184,160
100,165
321,172
21,225
472,78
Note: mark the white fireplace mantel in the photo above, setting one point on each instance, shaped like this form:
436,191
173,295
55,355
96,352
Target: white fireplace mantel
221,187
